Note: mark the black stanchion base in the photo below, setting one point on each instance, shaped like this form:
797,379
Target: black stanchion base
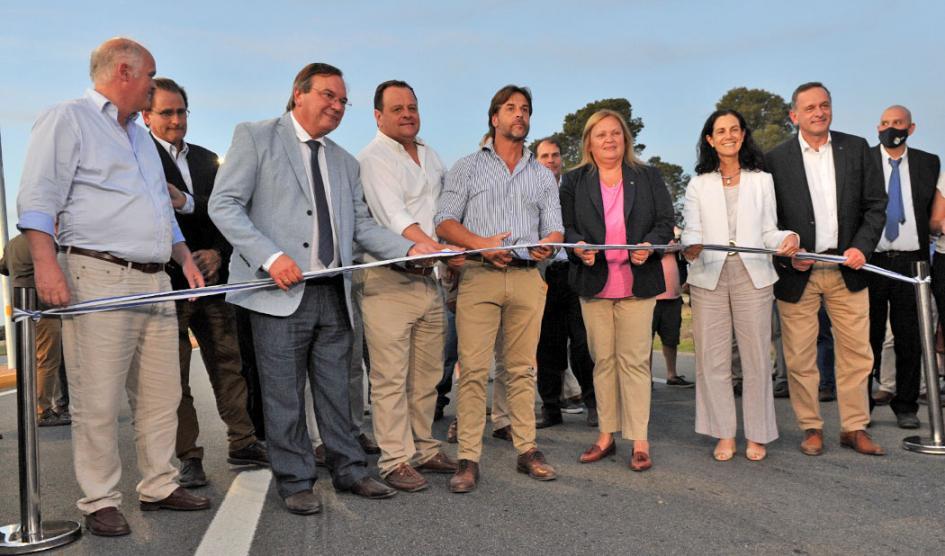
55,534
923,445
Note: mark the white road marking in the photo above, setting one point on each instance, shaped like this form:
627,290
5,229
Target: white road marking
233,527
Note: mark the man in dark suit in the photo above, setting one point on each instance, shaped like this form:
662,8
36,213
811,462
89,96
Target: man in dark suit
829,190
910,177
288,199
190,171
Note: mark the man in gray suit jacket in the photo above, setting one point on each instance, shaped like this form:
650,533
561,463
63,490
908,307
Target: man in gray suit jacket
288,198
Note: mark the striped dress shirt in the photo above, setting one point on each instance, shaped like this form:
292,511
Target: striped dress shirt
481,194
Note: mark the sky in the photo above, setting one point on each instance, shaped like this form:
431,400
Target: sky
673,60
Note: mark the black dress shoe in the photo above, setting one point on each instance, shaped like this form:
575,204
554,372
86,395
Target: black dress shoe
370,488
180,500
592,416
503,433
368,445
192,474
107,522
781,390
907,420
549,419
254,454
303,503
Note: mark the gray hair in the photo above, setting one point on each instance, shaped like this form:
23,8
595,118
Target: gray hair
112,52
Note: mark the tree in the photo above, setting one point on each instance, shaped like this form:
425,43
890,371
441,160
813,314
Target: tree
766,114
573,128
676,181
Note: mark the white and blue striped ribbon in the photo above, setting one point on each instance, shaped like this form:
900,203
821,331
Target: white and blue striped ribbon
137,300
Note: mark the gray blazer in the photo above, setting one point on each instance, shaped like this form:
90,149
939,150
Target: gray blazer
262,203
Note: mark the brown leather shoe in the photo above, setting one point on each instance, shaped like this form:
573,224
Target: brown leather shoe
107,522
305,502
451,433
440,463
882,397
594,453
504,433
370,488
368,445
640,461
861,442
813,444
533,463
320,455
406,478
466,477
180,500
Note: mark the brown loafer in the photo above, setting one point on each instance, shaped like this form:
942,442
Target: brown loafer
640,461
594,453
440,463
305,502
533,463
861,442
466,477
180,500
372,489
107,522
406,478
504,433
813,444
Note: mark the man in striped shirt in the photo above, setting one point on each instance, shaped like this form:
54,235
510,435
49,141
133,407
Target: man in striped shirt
500,196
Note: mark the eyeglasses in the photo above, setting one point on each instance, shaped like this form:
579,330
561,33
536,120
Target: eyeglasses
170,113
332,98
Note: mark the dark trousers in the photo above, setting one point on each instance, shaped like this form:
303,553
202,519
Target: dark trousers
825,357
214,327
896,299
938,286
314,344
250,371
450,357
562,325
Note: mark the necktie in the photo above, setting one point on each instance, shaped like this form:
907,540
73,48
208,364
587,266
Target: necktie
326,246
895,215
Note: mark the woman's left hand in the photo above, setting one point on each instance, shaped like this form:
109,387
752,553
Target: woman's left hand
640,256
789,246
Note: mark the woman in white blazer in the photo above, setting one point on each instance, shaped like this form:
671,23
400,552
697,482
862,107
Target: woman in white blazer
731,202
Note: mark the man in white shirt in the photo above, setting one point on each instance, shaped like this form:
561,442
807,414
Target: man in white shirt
829,190
401,306
910,177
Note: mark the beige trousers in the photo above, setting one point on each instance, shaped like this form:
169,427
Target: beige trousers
131,350
405,325
620,338
850,320
490,298
48,360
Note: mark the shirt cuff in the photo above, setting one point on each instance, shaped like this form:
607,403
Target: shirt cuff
188,207
271,260
35,220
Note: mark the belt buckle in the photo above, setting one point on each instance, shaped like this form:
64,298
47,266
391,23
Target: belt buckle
731,244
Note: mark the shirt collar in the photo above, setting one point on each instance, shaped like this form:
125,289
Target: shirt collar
886,156
384,139
807,148
171,148
526,152
301,134
106,106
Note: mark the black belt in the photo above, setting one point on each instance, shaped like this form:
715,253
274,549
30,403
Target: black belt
414,270
514,263
911,255
147,268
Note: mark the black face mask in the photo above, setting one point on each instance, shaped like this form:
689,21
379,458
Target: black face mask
892,137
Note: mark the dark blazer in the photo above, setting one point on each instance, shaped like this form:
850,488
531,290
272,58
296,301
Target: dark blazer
648,213
198,229
861,206
923,176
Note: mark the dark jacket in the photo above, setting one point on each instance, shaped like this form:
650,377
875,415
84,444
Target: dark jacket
923,176
861,207
648,213
198,229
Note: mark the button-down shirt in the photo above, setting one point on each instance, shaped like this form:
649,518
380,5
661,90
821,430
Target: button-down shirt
399,191
179,156
103,181
908,239
822,182
481,194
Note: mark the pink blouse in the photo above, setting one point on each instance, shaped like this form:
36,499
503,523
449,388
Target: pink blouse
619,277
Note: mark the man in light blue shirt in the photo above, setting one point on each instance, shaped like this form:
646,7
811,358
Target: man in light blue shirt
90,167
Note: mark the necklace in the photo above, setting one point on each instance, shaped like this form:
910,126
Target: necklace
728,179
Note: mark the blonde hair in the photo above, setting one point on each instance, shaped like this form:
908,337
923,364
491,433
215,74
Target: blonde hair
629,156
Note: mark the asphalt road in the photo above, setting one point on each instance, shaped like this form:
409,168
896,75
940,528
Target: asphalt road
839,503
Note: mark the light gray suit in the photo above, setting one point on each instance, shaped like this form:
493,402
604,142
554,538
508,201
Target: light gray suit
262,202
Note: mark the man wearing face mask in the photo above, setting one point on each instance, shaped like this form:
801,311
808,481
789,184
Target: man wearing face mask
910,176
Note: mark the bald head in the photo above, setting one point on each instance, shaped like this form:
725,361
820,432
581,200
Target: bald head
896,113
109,55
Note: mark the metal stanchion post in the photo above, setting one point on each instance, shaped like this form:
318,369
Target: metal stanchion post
935,444
32,534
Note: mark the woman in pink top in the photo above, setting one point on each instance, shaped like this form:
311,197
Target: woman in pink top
612,197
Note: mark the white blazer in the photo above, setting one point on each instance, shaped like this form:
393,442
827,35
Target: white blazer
706,220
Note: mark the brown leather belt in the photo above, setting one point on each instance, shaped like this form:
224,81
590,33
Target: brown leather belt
415,270
147,268
514,263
